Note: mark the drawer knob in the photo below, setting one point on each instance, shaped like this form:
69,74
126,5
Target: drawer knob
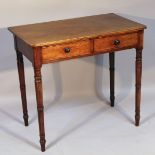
117,42
67,50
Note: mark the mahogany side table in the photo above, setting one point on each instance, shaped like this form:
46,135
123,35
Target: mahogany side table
53,41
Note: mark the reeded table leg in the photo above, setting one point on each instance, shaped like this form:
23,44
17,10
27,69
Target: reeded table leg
138,85
40,107
20,65
112,76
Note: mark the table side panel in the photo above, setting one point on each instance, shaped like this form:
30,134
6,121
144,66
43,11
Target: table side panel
25,49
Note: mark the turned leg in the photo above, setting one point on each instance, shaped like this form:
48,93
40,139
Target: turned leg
112,77
20,65
138,85
40,107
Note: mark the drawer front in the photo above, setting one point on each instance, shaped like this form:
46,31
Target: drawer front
117,42
65,51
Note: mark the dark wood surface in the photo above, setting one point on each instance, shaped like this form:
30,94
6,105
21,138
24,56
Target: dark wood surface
21,73
74,38
112,77
53,32
138,69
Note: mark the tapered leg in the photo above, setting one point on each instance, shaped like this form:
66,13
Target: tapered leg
20,65
138,85
112,77
40,107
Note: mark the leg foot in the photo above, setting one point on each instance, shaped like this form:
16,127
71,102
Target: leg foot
26,120
137,120
42,143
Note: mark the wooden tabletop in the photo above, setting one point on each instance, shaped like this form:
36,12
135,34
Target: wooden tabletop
42,34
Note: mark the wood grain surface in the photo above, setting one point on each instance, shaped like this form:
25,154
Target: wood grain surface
74,29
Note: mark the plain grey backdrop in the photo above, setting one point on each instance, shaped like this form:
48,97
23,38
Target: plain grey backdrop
76,92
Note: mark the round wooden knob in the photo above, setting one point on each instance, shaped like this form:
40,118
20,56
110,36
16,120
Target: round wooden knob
67,50
117,42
